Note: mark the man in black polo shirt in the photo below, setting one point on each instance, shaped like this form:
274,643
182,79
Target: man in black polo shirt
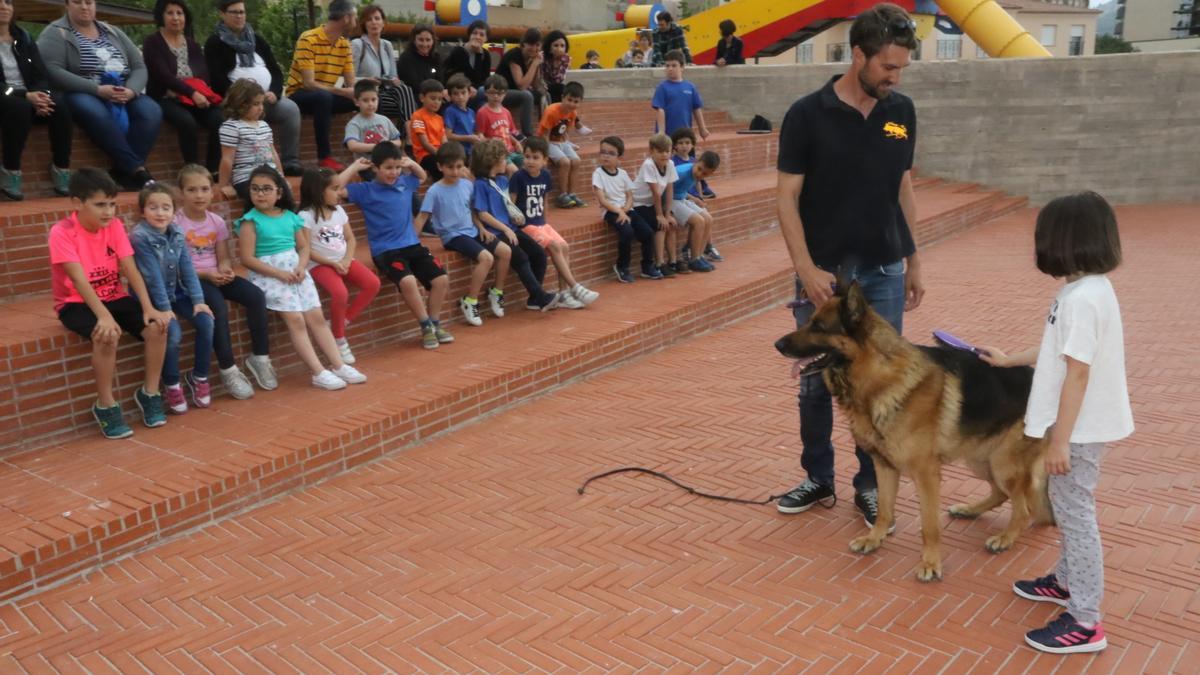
846,204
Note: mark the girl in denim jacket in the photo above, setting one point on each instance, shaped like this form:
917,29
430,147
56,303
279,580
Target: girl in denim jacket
162,257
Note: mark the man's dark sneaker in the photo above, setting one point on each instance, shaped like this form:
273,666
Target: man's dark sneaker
804,495
651,272
666,270
112,423
623,275
867,502
1064,635
153,410
1043,589
294,169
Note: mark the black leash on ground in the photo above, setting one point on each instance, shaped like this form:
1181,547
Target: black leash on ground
672,481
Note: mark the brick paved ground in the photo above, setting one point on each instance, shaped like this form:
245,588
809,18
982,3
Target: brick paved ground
473,551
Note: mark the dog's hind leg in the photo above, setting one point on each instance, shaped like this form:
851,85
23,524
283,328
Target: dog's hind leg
928,481
993,500
888,483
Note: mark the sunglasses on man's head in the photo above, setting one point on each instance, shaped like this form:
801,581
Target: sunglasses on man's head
900,26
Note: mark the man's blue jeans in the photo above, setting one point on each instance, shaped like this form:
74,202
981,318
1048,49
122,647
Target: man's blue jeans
128,152
883,285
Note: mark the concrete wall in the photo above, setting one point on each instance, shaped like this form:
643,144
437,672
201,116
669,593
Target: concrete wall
1124,125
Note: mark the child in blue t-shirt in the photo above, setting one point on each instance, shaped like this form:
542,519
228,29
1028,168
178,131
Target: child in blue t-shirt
528,188
676,101
460,120
490,204
683,145
447,206
689,210
386,204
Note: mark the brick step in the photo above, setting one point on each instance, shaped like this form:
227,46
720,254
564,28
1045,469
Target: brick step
42,400
87,501
25,226
164,161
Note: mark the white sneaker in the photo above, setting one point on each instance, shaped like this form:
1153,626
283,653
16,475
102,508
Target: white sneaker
496,300
344,350
470,311
567,301
237,384
262,370
327,380
584,295
349,375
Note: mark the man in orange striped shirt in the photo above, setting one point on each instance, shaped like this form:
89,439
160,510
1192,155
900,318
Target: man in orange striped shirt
322,57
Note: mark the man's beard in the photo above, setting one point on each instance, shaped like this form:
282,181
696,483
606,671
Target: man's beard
870,89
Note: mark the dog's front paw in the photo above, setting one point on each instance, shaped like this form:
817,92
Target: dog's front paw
998,543
929,570
962,511
865,544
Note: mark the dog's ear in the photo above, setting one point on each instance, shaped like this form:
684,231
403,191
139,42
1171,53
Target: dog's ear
854,307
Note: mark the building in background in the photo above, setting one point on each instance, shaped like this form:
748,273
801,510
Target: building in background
1159,25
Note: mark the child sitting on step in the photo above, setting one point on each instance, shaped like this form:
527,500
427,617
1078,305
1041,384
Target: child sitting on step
688,209
160,251
331,260
208,242
274,247
490,204
89,253
528,188
683,145
614,190
387,206
447,205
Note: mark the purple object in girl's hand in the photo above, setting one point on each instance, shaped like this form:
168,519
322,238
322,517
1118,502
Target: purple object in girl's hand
953,342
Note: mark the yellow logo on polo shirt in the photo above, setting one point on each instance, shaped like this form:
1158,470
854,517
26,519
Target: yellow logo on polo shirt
895,130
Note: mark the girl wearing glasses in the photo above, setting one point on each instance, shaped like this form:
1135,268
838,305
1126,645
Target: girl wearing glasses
273,246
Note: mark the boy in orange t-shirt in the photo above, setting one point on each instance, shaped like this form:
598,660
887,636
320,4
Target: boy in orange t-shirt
428,128
556,121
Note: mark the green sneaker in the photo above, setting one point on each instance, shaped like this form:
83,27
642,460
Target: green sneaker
443,336
61,179
10,184
111,421
153,411
429,338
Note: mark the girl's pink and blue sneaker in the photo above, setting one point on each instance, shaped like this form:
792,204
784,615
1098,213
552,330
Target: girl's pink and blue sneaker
1065,635
1043,589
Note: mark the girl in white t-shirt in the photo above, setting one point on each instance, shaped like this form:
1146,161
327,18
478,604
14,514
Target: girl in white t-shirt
1080,402
331,254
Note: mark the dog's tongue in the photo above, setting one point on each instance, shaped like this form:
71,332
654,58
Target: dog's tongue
798,368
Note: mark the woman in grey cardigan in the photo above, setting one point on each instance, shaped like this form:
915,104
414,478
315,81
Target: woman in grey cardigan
375,59
103,75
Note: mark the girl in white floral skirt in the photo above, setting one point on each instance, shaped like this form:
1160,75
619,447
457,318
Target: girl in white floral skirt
273,245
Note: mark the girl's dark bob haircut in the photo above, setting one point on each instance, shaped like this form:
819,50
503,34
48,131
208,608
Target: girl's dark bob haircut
1077,234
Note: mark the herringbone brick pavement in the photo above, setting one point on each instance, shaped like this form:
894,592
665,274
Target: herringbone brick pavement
474,552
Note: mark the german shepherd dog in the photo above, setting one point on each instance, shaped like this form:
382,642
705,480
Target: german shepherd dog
915,408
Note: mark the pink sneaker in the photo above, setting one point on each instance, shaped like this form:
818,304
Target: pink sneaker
176,403
199,389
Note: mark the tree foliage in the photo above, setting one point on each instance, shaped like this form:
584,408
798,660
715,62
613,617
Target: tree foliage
1111,44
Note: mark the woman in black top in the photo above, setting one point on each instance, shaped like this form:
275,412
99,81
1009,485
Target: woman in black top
473,61
729,48
420,61
522,67
25,97
173,81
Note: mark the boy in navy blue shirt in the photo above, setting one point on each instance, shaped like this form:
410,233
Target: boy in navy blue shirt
386,205
460,119
528,188
677,102
683,145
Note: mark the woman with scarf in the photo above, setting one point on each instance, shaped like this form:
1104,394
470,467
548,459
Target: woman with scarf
233,52
179,81
25,97
102,73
